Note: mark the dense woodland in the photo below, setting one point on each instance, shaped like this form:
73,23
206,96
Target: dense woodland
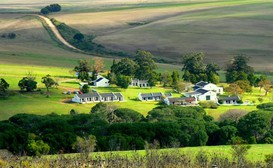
107,128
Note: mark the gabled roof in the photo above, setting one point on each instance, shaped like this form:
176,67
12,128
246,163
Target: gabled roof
168,94
192,93
195,87
107,95
99,79
202,91
151,94
181,99
118,94
202,83
88,95
229,98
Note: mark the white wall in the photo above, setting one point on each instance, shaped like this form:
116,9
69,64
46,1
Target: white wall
213,87
213,96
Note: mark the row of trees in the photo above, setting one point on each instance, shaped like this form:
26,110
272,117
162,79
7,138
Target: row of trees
51,8
238,73
27,84
109,128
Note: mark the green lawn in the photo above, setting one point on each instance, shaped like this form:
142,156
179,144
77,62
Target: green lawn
256,152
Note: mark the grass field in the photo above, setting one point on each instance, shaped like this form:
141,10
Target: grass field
256,152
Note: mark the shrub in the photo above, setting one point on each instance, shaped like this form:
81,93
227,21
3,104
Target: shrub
265,106
240,101
208,104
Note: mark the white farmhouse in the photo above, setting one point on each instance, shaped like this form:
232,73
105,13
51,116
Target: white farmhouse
97,97
139,83
208,86
100,82
202,95
231,100
150,96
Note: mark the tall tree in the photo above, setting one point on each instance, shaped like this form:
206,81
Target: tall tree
98,65
123,81
195,70
238,69
175,77
234,89
3,87
146,64
211,71
83,68
166,79
126,67
48,81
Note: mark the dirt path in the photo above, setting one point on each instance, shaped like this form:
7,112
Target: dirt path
57,33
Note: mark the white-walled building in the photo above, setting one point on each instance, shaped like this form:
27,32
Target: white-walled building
100,82
139,83
208,86
97,97
202,95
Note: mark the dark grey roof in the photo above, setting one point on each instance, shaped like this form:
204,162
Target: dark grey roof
202,91
151,95
99,79
118,94
88,95
229,98
196,87
168,94
192,93
201,83
107,94
181,99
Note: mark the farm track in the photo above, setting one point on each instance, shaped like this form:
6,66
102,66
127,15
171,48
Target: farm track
56,32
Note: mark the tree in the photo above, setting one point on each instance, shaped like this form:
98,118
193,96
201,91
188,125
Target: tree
123,81
254,124
85,88
45,11
211,71
146,64
98,65
238,69
85,144
193,67
234,89
27,83
126,67
166,79
153,78
244,85
83,69
37,147
48,81
175,77
180,86
78,37
267,86
3,87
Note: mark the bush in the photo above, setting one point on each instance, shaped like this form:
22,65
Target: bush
51,8
239,101
265,106
208,104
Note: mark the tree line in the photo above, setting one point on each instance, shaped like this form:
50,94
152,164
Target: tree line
27,83
51,8
108,128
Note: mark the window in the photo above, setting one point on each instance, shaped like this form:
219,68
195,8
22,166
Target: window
207,97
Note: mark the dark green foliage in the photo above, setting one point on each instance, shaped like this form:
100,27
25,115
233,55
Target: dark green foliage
83,68
86,44
51,8
146,65
123,81
126,67
128,115
9,35
78,37
12,138
85,88
175,78
3,87
195,70
238,69
27,83
266,106
254,124
208,104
